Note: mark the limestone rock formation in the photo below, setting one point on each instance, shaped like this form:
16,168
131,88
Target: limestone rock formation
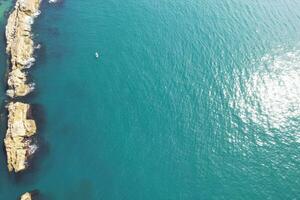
26,196
20,45
18,136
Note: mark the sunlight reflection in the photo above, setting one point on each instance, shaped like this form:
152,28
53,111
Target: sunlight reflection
270,97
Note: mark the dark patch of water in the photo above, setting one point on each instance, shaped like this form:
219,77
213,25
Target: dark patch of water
81,190
29,175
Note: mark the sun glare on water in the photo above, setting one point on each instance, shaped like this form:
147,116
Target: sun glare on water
270,97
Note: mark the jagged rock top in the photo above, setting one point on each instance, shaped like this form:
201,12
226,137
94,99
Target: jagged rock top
26,196
20,45
18,124
28,6
17,140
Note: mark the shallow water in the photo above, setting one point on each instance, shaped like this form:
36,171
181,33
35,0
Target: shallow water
189,100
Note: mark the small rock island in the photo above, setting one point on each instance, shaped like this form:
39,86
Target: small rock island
26,196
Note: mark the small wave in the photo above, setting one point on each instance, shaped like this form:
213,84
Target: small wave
53,1
37,13
38,46
10,93
29,19
32,149
29,63
31,86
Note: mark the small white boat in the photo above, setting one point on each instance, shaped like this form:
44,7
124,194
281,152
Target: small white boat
97,55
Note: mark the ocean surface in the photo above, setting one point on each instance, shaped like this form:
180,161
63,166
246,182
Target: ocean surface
189,100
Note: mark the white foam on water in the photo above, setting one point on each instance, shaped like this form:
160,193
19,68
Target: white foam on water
53,1
32,149
32,86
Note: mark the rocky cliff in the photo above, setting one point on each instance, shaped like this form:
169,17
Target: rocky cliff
18,136
20,45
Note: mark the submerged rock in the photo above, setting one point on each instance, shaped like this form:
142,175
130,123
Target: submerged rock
18,136
26,196
20,45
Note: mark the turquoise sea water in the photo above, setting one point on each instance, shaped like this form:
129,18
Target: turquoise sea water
189,100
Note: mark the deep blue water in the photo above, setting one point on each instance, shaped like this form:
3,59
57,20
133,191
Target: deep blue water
189,100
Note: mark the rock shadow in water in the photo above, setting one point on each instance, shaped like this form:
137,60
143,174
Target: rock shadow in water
29,175
40,55
53,31
82,190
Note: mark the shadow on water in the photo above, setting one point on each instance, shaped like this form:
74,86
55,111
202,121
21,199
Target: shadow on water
38,114
59,4
82,190
40,55
54,31
29,176
48,30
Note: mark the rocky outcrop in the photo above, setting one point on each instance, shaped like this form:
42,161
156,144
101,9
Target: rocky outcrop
20,45
26,196
18,142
